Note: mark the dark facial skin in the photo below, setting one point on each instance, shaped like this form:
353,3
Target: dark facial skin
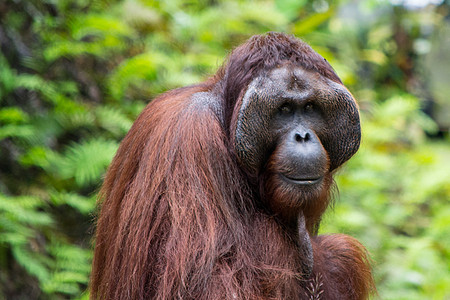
302,158
304,125
293,129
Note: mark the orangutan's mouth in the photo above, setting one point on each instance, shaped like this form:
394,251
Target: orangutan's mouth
303,180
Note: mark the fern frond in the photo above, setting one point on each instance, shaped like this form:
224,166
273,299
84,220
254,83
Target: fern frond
32,262
85,162
113,120
85,205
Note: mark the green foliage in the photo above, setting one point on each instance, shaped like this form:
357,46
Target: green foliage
75,74
84,162
71,267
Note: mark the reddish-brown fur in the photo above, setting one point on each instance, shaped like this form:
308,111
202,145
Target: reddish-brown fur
180,219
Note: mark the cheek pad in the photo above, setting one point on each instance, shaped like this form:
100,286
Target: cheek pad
252,135
343,134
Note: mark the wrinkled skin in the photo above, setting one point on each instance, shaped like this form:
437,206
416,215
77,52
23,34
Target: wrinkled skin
306,126
309,124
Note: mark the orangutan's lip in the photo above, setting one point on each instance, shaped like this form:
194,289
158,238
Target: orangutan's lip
303,181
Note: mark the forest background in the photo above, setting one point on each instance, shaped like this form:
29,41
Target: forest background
74,74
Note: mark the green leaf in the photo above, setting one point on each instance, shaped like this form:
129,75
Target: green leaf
18,131
85,162
12,115
113,120
134,72
83,204
312,22
31,262
290,8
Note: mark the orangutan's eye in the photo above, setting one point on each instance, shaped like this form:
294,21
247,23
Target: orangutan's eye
286,109
308,107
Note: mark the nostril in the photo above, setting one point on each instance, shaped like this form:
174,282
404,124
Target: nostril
307,137
302,137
